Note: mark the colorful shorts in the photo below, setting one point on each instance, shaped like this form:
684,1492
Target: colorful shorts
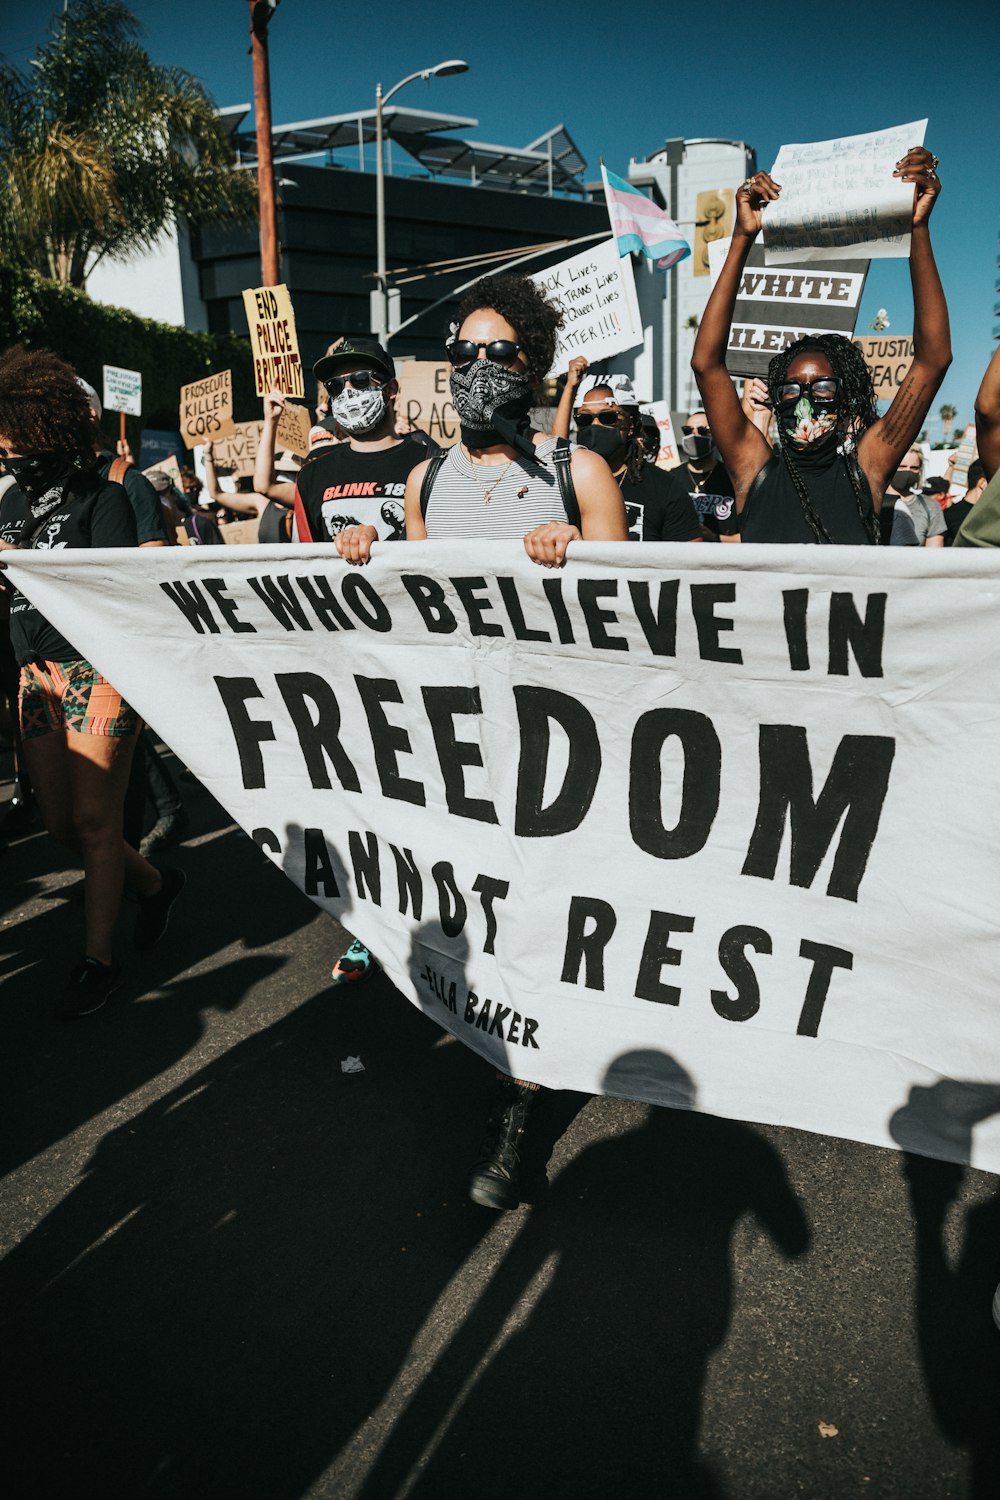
71,695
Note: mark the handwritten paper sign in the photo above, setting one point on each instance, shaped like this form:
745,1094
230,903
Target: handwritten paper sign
168,466
293,429
207,409
123,390
425,399
271,322
774,307
840,197
668,456
597,291
238,451
889,361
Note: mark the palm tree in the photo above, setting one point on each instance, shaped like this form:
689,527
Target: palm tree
947,415
101,149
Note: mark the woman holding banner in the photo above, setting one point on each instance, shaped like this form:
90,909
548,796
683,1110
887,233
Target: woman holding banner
836,455
78,734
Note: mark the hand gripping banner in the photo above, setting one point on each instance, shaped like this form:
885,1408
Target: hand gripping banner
732,809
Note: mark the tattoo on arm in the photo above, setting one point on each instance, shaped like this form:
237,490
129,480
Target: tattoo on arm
906,413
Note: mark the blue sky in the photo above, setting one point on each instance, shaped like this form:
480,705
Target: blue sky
623,79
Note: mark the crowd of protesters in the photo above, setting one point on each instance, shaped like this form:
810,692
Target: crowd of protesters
803,457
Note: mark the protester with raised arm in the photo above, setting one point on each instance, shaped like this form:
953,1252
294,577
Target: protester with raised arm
575,372
836,455
988,418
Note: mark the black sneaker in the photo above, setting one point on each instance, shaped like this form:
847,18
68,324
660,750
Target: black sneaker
89,986
154,911
164,832
495,1180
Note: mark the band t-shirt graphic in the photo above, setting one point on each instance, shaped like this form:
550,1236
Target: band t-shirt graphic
711,496
347,487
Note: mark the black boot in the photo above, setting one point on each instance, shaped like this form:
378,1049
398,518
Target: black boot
495,1179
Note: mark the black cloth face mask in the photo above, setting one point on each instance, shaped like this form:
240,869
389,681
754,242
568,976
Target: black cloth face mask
493,405
697,444
903,481
607,441
40,477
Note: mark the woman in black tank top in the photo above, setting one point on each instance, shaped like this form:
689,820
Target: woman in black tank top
836,454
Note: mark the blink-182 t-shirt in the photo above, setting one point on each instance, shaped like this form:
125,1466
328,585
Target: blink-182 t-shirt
344,486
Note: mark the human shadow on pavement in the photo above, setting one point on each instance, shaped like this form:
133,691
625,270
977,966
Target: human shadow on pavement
580,1370
55,1076
232,1286
958,1340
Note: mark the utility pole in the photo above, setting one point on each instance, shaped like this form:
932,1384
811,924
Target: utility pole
261,12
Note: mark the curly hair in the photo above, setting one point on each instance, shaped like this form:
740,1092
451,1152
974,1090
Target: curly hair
533,315
855,410
43,408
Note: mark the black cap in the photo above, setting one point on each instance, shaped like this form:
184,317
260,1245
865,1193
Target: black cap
346,355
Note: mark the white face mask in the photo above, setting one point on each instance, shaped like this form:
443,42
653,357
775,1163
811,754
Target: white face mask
359,411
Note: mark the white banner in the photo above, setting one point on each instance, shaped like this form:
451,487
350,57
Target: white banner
730,811
597,291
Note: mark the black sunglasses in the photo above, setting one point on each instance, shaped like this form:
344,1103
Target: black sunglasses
826,387
362,380
606,418
462,352
696,431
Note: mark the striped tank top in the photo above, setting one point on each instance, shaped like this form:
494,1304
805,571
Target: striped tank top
524,495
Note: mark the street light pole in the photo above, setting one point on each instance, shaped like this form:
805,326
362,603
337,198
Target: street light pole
440,70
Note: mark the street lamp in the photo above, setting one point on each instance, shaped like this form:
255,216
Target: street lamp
440,70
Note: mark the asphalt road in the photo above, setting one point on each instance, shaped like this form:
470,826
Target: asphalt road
234,1270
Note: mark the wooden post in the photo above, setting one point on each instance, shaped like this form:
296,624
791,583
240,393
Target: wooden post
260,15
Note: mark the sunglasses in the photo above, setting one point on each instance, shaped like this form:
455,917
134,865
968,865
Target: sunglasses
362,380
825,389
696,431
462,352
586,419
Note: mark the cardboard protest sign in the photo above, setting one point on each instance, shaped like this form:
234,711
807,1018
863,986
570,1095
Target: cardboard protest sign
123,390
294,425
168,466
668,456
238,451
597,291
889,361
207,409
645,820
275,345
425,399
840,198
777,305
713,215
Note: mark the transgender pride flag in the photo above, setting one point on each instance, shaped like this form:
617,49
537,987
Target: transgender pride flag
639,225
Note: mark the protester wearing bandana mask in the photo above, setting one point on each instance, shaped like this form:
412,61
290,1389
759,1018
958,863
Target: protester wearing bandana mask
835,454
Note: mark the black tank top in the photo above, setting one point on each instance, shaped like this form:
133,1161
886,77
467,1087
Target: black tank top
773,511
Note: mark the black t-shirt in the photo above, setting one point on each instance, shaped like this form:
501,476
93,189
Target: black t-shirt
711,496
953,518
656,510
344,486
774,511
94,514
142,497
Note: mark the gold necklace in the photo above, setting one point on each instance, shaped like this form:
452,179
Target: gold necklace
489,492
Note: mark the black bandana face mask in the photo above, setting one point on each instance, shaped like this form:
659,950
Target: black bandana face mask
492,403
39,475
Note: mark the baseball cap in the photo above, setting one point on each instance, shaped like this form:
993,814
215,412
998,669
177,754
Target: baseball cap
344,356
621,388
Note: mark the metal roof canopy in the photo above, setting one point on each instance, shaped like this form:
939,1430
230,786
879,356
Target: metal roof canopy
551,162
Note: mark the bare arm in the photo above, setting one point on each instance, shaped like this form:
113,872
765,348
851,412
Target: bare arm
887,440
416,531
602,513
264,481
988,417
564,411
744,448
212,478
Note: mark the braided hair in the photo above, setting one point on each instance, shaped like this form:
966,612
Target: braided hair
635,453
855,411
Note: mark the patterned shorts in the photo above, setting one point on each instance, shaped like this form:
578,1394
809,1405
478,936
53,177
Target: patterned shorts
71,695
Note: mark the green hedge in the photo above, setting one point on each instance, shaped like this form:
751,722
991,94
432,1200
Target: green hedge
43,315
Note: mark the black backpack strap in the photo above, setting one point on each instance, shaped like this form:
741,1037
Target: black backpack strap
562,457
430,474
